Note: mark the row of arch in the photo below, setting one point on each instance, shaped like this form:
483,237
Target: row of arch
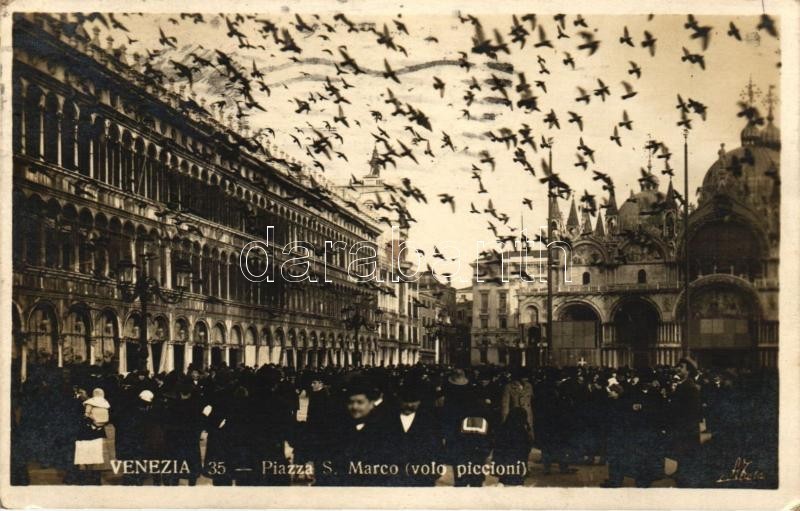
531,308
67,133
85,320
82,240
82,330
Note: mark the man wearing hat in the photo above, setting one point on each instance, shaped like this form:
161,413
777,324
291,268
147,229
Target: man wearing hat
686,414
412,439
359,441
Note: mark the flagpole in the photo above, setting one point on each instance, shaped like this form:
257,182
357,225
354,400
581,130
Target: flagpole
685,336
550,229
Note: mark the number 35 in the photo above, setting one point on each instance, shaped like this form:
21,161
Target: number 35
216,468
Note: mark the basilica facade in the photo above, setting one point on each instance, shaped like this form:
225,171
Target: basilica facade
622,300
619,287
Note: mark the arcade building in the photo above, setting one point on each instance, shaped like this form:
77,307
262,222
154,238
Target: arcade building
119,180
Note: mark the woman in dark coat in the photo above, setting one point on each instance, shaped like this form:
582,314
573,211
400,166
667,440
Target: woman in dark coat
317,435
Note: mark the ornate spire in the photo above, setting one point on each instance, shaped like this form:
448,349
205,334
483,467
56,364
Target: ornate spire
771,135
600,230
750,92
587,222
572,220
770,101
612,210
750,133
670,197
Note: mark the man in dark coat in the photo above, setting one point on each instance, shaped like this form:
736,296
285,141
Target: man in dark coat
686,414
412,440
360,446
271,416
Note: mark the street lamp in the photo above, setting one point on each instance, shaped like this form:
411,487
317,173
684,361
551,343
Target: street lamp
135,282
359,315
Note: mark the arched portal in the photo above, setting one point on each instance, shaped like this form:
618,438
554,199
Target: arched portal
77,338
217,342
576,335
725,247
159,335
636,328
106,335
200,340
133,354
235,347
724,323
179,347
43,335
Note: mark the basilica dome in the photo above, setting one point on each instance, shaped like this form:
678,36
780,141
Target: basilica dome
748,174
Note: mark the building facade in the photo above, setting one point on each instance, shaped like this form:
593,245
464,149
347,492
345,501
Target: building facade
399,328
110,167
618,296
624,303
437,314
497,320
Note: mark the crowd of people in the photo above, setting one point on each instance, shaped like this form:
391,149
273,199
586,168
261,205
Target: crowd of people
397,425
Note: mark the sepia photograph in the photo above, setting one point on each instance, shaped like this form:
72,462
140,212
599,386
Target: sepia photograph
351,244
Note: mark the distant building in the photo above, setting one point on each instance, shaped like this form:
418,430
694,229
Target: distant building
436,308
398,326
463,324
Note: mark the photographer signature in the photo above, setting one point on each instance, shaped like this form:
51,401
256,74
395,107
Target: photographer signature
740,472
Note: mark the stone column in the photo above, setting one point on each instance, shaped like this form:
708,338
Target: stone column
187,356
60,346
167,267
123,355
76,253
59,116
167,357
23,358
150,368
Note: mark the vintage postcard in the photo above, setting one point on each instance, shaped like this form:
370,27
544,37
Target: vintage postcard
400,255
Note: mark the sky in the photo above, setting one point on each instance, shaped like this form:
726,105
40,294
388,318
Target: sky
432,45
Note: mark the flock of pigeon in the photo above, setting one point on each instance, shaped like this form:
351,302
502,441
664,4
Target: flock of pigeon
400,129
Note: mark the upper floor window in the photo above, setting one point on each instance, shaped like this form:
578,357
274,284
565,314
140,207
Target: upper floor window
641,277
587,278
